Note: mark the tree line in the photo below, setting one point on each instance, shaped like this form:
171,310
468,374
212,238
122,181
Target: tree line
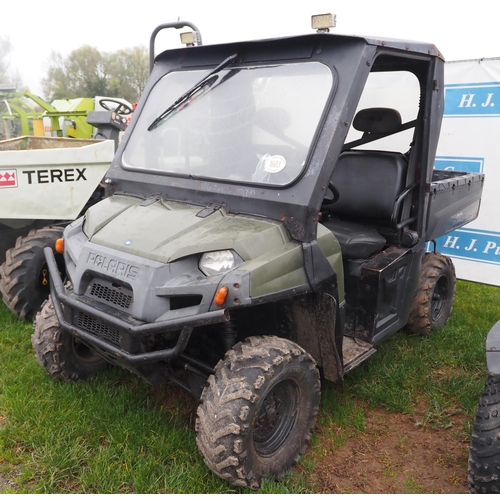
7,76
87,72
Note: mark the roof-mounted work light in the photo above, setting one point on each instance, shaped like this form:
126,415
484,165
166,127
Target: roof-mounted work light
190,38
323,22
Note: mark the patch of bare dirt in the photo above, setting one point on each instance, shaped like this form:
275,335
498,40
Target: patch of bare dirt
7,483
392,455
395,453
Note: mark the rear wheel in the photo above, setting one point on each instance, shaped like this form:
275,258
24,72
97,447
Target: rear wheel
60,354
258,410
434,296
484,453
24,276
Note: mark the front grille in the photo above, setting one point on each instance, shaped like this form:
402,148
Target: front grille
118,297
98,328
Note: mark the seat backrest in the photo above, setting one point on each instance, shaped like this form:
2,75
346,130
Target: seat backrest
377,122
368,183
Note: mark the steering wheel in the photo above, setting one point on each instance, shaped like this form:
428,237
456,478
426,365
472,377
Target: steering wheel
127,110
327,201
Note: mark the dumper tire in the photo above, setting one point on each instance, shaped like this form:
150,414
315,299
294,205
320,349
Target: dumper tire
433,300
484,451
24,276
60,354
258,411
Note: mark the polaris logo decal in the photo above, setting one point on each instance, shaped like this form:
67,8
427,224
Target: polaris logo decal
8,178
113,266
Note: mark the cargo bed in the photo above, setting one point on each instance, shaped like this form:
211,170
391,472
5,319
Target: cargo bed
454,201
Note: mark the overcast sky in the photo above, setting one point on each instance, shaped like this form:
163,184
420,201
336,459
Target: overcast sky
460,30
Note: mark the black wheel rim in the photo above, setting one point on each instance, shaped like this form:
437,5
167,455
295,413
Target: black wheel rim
275,417
439,298
43,281
84,353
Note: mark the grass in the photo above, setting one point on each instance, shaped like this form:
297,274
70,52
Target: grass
116,434
447,368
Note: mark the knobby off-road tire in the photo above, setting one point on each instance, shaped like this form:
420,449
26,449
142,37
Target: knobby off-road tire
484,453
258,410
24,276
59,353
434,295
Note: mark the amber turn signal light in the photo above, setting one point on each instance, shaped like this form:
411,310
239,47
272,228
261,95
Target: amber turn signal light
221,295
59,246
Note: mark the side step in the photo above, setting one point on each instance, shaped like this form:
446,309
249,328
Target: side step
355,351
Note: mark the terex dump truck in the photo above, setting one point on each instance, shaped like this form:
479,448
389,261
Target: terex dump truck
246,246
45,182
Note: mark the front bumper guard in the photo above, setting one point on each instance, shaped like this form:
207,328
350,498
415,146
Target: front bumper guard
186,325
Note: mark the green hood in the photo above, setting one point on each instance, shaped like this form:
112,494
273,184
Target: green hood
179,230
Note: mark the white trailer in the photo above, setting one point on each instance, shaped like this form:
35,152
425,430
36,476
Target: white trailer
45,182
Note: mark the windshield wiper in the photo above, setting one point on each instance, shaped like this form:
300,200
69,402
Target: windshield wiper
207,80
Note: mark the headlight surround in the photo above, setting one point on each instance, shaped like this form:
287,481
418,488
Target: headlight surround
212,263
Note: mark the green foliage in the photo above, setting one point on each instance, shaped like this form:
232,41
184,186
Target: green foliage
87,72
129,72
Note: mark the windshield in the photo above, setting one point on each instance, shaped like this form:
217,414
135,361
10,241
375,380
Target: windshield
248,124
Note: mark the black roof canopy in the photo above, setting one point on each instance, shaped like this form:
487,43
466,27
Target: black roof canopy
296,204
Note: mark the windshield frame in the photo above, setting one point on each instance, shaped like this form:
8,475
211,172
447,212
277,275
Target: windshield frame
238,67
296,205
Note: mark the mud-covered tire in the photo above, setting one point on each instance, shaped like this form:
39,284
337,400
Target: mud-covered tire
60,354
484,452
258,411
24,276
433,300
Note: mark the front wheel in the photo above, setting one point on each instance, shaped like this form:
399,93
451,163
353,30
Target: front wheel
484,452
60,354
258,410
433,300
24,276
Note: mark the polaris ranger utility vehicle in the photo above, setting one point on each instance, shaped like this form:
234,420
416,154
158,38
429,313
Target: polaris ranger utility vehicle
248,244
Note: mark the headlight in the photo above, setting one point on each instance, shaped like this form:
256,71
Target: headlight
212,263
